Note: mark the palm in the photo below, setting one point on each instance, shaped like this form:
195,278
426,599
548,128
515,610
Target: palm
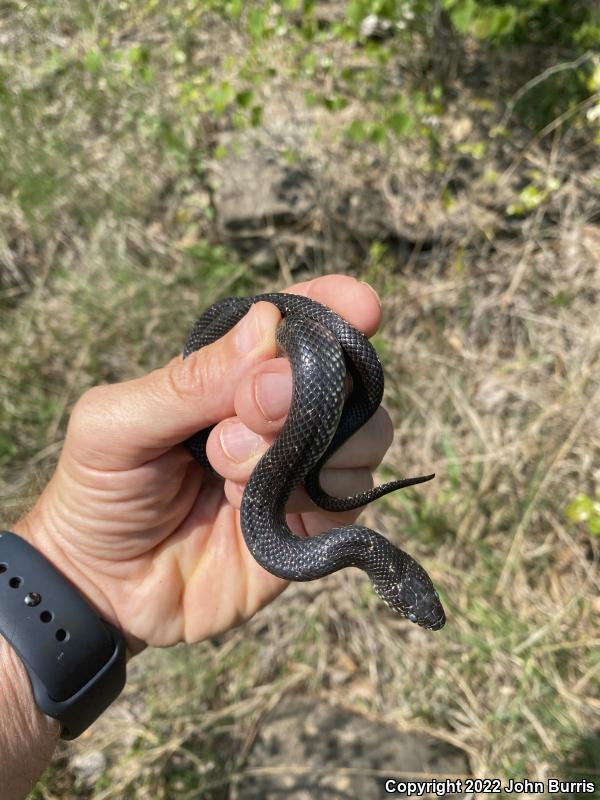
177,567
140,527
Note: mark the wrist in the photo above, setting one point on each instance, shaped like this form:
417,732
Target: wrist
40,530
17,698
27,736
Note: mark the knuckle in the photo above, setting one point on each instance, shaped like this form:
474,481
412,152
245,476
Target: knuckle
86,410
198,374
187,377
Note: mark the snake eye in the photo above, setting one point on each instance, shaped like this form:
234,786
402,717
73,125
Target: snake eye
412,617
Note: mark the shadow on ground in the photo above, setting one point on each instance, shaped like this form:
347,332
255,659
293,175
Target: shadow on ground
310,750
584,766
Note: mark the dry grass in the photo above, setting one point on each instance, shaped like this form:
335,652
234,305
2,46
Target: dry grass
491,345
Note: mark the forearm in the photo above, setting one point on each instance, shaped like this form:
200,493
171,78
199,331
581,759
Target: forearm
27,737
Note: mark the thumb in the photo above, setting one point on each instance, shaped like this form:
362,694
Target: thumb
119,426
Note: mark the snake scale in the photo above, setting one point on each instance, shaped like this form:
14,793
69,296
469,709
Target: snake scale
322,349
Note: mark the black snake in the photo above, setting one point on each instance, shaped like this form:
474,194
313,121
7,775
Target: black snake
322,349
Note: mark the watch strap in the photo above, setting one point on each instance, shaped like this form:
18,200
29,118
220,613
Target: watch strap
76,662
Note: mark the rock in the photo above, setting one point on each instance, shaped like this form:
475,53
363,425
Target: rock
329,12
254,190
307,750
305,214
260,201
374,27
491,394
88,766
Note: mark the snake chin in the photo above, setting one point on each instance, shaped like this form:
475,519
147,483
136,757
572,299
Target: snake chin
434,620
427,614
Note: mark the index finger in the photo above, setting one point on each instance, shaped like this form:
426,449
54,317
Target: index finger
355,301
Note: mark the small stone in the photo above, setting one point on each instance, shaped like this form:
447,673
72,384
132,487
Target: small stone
374,27
491,394
88,766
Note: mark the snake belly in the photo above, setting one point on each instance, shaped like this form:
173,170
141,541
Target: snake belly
322,349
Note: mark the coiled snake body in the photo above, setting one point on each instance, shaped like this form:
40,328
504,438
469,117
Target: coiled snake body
322,349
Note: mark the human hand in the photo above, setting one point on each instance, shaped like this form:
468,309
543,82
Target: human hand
141,529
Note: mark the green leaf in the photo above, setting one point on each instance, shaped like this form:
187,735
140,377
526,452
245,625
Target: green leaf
586,511
475,149
309,64
257,19
138,55
256,115
147,74
244,98
378,133
506,20
400,122
92,61
463,14
492,23
311,98
357,131
561,299
531,197
220,96
448,199
234,8
355,11
334,103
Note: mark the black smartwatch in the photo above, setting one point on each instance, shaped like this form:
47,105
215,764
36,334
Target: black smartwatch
76,662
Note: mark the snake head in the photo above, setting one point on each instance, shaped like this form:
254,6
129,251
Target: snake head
428,613
411,593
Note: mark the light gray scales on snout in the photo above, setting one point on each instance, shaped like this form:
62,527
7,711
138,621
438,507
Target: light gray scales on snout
322,349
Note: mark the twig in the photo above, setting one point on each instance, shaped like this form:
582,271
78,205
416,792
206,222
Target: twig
550,127
540,79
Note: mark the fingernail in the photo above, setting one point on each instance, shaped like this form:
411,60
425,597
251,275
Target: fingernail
273,393
249,332
368,285
238,442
